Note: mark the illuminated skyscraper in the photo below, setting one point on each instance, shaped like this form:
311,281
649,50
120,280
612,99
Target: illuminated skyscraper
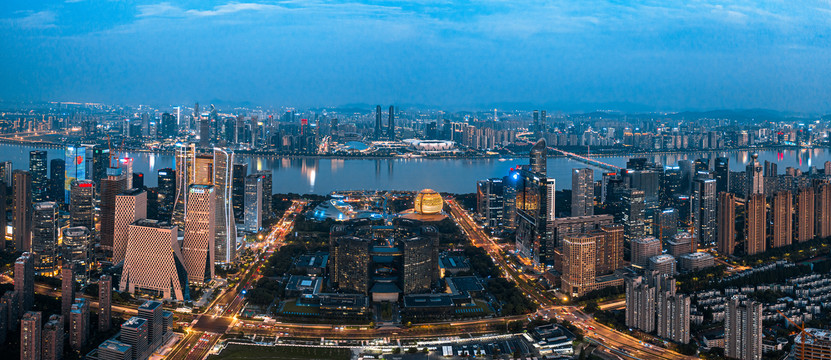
755,221
77,251
378,122
535,211
238,185
822,209
781,209
253,202
704,211
226,230
57,171
184,161
726,223
76,167
754,174
579,264
6,169
40,180
539,157
154,262
666,224
22,211
130,206
45,236
115,183
582,192
198,248
721,170
391,124
167,193
805,221
81,204
351,256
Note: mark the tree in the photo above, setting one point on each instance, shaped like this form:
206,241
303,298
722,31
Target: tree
591,307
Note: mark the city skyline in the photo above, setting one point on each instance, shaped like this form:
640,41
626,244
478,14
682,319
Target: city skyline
570,56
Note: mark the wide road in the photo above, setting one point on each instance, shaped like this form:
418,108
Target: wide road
626,345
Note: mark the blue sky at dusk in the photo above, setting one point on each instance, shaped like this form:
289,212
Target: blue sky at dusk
660,55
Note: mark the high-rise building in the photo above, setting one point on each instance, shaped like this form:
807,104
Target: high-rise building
3,224
609,252
38,171
704,211
755,221
135,332
82,204
666,224
663,264
805,220
76,167
539,158
633,213
198,247
45,236
138,180
267,194
30,336
153,262
673,316
152,312
391,124
130,206
351,258
57,171
166,185
114,350
535,217
579,264
253,215
640,303
822,209
755,177
726,223
105,296
781,213
184,162
582,192
418,264
126,166
79,324
167,126
643,249
77,251
24,281
743,329
6,169
721,170
22,211
115,183
490,201
238,185
53,335
378,122
226,226
205,133
97,168
67,289
682,243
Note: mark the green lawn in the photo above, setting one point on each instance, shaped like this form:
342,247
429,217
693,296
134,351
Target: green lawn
239,351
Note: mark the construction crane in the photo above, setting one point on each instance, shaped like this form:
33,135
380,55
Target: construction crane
801,332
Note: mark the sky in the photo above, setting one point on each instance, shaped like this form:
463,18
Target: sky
660,55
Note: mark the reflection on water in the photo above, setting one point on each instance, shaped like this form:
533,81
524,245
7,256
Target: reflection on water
321,176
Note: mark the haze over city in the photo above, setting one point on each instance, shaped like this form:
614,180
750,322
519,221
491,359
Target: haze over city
572,56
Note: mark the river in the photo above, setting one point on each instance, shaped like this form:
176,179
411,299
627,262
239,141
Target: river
323,175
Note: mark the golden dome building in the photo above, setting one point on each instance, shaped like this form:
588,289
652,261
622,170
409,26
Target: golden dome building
428,206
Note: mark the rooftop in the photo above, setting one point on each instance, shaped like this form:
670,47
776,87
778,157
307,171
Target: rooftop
133,323
115,345
150,305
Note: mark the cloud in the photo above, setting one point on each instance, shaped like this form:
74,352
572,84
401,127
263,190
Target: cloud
32,20
233,7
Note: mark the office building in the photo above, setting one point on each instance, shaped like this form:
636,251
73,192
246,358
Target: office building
582,192
184,162
682,243
151,311
643,249
130,206
67,289
135,332
579,264
755,177
77,251
673,317
804,217
535,218
663,263
82,205
539,158
490,201
57,178
79,324
198,247
704,211
105,298
53,337
100,161
755,221
30,336
721,170
22,211
253,202
226,227
76,167
666,224
153,262
633,213
115,183
726,223
377,122
267,194
743,329
695,261
40,179
781,213
114,350
45,237
3,224
419,266
391,124
24,281
166,185
240,172
350,257
204,133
